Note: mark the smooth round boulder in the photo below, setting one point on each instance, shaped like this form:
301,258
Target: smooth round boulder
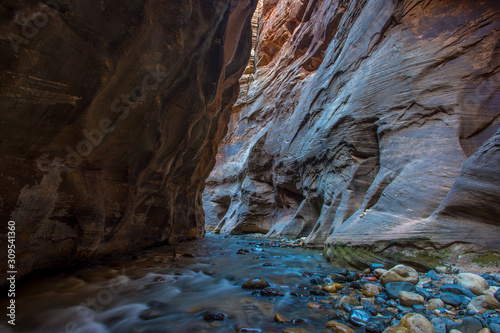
416,323
370,290
434,303
497,295
410,299
339,327
255,283
483,303
400,273
475,283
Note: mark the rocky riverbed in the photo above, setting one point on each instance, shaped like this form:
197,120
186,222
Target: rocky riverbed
249,284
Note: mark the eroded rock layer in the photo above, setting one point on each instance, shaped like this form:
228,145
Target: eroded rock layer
367,125
111,117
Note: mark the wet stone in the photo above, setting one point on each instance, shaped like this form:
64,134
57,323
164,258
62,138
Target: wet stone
424,293
338,278
370,308
416,323
497,295
318,292
435,303
370,289
335,326
317,281
400,273
473,282
451,299
457,290
375,266
214,316
468,325
255,283
483,303
268,292
408,298
353,277
359,317
377,324
393,289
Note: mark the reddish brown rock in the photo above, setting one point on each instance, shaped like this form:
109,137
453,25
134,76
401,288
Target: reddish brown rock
111,117
367,124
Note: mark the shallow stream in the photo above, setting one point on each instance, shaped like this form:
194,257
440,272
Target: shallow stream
167,290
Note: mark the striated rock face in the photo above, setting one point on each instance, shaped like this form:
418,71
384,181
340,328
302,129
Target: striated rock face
111,117
368,126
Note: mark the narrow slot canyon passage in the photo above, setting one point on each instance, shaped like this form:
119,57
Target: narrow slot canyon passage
270,166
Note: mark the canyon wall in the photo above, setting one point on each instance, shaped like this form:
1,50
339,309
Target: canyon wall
111,117
369,126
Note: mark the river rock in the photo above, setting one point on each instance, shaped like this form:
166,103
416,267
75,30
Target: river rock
332,287
497,295
377,324
393,289
416,323
473,282
434,303
379,272
408,298
214,316
424,293
396,329
348,300
359,317
370,289
485,330
467,325
255,283
376,266
451,299
457,289
335,326
400,273
269,292
483,303
279,318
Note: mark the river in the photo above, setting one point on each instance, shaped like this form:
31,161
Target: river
179,289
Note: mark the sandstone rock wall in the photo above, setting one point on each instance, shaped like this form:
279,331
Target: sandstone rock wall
111,117
369,124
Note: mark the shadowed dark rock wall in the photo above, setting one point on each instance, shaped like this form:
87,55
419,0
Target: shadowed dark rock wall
369,124
111,117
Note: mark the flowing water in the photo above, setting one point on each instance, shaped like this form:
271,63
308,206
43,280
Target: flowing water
167,290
